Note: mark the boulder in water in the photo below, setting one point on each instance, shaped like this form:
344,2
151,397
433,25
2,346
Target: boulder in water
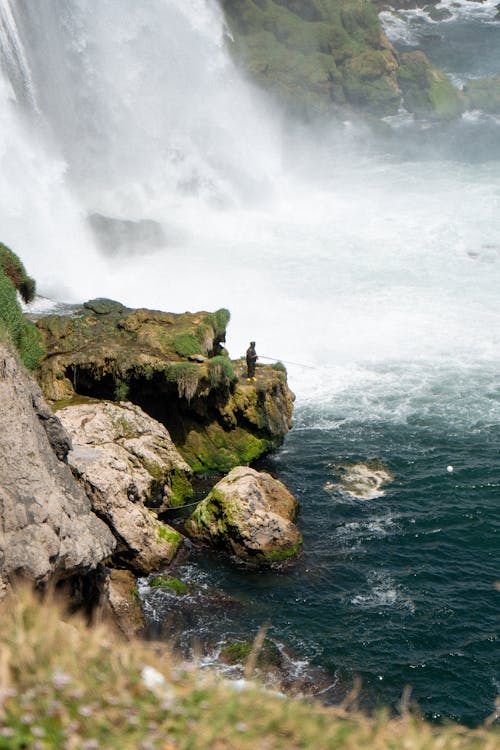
250,515
361,480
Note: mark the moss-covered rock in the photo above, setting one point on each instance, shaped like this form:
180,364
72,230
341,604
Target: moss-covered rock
216,417
483,94
251,516
319,56
426,90
316,54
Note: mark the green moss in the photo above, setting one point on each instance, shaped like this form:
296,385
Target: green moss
186,375
304,52
216,449
220,371
15,329
283,554
121,391
167,534
181,489
169,582
426,90
238,652
483,94
186,345
13,268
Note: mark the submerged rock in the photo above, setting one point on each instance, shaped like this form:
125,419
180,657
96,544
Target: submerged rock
48,530
426,90
484,94
362,480
126,460
175,368
251,516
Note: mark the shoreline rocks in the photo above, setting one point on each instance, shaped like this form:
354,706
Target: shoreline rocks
125,459
250,515
48,530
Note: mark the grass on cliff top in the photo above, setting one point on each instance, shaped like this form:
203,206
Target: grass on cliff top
14,328
66,686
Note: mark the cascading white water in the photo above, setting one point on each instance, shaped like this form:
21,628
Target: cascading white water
134,113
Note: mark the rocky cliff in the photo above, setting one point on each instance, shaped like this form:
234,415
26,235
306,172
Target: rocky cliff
47,527
175,368
321,55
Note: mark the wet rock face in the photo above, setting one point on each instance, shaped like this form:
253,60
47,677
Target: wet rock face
316,54
174,368
251,516
48,529
125,459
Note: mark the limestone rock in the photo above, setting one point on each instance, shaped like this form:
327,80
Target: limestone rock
251,516
120,603
48,529
126,459
173,367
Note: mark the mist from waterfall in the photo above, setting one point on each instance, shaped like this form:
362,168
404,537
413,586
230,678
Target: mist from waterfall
136,163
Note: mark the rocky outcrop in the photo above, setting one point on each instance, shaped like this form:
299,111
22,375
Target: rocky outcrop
120,603
48,529
426,90
126,460
135,451
175,368
483,94
251,516
315,54
321,56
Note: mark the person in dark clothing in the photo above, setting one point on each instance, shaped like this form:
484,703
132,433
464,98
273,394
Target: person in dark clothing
251,361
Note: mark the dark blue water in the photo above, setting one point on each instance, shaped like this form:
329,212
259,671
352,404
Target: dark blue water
398,590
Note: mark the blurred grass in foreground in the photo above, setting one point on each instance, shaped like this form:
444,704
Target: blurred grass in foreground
65,685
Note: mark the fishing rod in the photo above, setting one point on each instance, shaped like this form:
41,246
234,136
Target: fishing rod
286,362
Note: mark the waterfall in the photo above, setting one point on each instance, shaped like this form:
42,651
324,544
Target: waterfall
13,57
137,163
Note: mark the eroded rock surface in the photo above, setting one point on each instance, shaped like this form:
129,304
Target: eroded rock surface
48,529
126,459
173,367
251,516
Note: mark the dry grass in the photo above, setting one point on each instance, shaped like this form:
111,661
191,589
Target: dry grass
66,686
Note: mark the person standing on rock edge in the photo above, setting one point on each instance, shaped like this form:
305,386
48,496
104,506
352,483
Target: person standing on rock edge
251,361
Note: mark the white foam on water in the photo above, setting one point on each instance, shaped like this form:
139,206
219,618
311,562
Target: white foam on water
383,593
381,273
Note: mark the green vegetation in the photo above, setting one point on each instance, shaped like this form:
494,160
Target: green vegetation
186,345
484,94
169,582
181,489
220,371
71,687
426,90
315,54
167,534
238,652
12,267
218,449
121,391
186,375
14,328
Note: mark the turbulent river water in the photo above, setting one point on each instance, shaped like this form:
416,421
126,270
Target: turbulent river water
135,163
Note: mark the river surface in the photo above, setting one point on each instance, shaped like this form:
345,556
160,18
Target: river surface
372,262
